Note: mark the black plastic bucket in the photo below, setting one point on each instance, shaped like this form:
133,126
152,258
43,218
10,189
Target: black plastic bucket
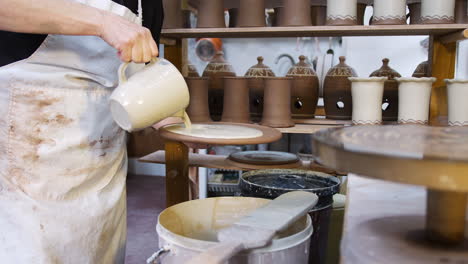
273,183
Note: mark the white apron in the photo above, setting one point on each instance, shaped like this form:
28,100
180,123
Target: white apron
63,160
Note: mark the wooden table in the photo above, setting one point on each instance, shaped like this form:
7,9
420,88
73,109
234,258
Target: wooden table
433,157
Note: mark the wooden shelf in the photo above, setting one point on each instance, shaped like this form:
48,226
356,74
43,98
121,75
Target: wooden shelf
459,30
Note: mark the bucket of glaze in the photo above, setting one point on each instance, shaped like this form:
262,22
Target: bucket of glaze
187,229
270,184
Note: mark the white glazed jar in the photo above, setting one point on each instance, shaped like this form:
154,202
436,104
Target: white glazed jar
457,93
389,12
414,98
438,11
367,100
341,12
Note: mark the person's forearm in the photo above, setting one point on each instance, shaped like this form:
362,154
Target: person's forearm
64,17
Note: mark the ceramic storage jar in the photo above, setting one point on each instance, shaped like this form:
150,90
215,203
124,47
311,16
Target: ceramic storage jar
389,12
422,70
390,96
461,12
295,13
438,12
277,106
211,14
251,13
337,91
341,12
414,7
318,12
236,100
216,70
367,100
305,89
198,110
414,100
457,93
256,83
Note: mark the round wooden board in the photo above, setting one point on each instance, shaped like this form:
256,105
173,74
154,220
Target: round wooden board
269,135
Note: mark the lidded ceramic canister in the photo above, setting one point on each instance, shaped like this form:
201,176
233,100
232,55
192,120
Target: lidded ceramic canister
414,7
295,13
198,110
211,14
389,12
367,100
236,100
256,75
390,96
457,94
414,98
251,13
216,70
437,11
191,70
305,89
341,12
422,70
337,91
277,106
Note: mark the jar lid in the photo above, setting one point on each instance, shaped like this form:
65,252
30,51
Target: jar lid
192,70
385,71
342,69
259,70
218,64
301,69
422,70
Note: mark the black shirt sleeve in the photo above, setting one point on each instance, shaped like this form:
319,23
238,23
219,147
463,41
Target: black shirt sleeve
19,46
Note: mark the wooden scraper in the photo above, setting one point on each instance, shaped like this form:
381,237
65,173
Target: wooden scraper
259,227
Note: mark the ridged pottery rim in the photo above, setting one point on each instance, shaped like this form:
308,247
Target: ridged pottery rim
450,81
368,79
416,79
202,245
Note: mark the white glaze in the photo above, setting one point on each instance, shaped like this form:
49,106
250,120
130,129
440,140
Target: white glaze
216,131
414,99
341,9
156,92
457,93
367,99
431,9
389,9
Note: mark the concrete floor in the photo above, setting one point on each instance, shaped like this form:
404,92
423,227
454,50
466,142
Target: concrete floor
145,200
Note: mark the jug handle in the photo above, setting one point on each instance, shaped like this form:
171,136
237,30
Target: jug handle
124,66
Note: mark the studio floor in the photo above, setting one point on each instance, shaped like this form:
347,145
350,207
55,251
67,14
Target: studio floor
145,200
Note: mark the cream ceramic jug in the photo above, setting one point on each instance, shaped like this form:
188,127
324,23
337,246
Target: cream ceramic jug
152,94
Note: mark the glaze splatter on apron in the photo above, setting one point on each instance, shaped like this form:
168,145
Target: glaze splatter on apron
63,162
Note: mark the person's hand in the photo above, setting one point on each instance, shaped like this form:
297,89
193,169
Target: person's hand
133,42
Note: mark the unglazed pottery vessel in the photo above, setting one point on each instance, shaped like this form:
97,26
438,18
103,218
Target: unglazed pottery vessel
414,100
389,12
173,17
422,70
461,12
361,10
437,11
318,13
457,91
337,91
367,100
305,89
233,17
152,94
236,100
390,97
277,106
216,70
252,13
278,16
211,14
341,12
191,70
256,83
415,11
198,110
296,13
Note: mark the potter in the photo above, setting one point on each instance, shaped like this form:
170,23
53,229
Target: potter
154,93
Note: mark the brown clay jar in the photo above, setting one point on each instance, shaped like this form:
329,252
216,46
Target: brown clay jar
211,14
305,89
318,13
295,13
361,10
422,70
390,96
233,17
278,16
198,110
256,83
192,71
415,12
173,17
251,13
277,106
337,91
216,70
461,16
236,100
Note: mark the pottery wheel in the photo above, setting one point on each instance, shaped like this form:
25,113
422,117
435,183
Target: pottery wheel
220,133
264,157
397,239
434,157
